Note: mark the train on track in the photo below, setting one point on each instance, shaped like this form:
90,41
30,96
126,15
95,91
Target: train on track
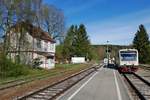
128,60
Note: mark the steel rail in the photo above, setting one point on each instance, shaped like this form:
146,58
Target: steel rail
61,89
136,90
22,81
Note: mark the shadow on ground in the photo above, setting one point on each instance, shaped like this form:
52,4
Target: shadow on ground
111,66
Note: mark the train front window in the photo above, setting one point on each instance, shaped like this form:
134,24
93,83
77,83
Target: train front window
128,57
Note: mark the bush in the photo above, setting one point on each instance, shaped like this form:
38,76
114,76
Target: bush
37,62
11,69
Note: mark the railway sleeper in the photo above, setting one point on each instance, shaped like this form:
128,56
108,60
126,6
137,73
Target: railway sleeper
56,89
38,97
51,92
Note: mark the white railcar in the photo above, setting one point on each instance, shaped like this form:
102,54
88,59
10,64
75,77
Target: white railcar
128,60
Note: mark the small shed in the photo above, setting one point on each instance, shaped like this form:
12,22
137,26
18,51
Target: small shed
76,60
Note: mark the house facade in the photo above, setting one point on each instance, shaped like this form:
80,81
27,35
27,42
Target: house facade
30,45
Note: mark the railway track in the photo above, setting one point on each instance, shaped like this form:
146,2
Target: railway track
145,66
139,85
50,92
14,83
21,81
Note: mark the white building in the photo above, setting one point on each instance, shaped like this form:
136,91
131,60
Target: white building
76,60
34,45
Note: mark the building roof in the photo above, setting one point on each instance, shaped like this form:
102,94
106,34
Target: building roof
34,31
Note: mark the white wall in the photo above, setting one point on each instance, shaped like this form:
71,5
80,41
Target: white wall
45,46
50,47
78,60
47,63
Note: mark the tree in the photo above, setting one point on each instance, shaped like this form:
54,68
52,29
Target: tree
67,45
12,12
41,15
77,43
59,56
34,12
142,44
53,21
6,20
81,42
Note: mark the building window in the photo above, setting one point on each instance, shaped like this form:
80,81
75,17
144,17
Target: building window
46,46
51,47
38,43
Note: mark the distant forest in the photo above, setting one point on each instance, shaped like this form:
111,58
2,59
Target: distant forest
100,50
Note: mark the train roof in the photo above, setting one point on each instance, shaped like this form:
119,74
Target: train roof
128,50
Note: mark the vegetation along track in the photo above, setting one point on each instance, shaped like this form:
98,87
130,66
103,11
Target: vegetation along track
54,90
13,83
21,81
17,82
140,86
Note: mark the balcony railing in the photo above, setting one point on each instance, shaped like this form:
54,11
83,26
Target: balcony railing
44,49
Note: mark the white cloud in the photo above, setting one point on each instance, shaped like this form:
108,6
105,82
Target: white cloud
118,30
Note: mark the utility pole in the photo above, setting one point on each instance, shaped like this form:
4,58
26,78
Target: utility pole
107,54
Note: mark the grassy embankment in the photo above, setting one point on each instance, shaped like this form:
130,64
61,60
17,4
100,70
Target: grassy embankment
10,71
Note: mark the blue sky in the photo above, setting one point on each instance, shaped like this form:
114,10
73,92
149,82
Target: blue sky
113,20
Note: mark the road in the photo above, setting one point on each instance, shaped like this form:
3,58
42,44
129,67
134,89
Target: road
105,84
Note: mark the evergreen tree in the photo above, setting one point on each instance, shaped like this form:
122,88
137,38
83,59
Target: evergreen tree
81,42
141,43
59,50
77,43
67,45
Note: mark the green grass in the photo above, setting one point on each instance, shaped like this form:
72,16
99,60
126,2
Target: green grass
39,72
31,73
68,66
71,66
11,69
